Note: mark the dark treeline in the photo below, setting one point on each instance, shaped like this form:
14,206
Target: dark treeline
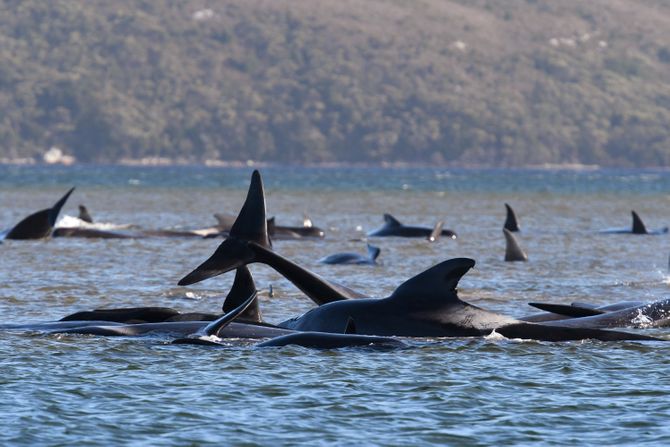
500,83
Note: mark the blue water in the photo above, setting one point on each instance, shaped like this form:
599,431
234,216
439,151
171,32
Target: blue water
86,390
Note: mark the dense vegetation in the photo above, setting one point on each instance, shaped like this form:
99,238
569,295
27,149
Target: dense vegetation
512,82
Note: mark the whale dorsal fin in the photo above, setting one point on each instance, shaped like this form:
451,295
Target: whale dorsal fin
638,225
215,326
373,252
511,222
243,286
391,221
351,326
436,233
439,282
250,224
40,224
513,251
84,214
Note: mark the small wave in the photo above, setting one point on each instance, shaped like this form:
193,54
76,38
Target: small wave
74,222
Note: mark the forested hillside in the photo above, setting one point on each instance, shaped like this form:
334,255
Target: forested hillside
501,83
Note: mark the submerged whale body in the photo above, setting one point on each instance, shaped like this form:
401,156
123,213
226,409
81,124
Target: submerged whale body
393,227
38,225
353,258
638,228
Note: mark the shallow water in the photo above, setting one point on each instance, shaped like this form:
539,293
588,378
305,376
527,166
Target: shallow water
69,389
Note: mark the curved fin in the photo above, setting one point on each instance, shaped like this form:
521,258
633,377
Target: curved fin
513,251
213,328
426,286
84,214
436,233
638,225
250,224
40,224
391,221
243,286
567,310
373,252
231,254
511,222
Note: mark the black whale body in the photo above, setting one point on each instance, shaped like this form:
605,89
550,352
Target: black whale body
38,225
393,227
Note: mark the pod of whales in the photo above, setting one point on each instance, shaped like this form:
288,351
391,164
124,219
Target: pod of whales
637,228
38,225
424,306
393,227
353,258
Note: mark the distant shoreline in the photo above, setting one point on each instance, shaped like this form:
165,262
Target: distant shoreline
164,162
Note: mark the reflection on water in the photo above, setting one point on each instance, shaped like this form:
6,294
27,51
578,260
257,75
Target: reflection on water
96,391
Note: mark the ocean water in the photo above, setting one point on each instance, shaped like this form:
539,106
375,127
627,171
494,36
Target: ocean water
88,390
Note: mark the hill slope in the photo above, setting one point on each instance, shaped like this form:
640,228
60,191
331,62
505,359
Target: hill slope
470,81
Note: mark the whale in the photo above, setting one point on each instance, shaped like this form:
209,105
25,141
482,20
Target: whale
38,225
511,221
513,252
353,258
243,286
427,305
638,228
393,227
211,335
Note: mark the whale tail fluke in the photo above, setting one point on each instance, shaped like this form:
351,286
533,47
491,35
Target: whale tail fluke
40,224
234,252
511,222
513,252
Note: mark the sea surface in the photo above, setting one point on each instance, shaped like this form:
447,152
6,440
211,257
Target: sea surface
87,390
